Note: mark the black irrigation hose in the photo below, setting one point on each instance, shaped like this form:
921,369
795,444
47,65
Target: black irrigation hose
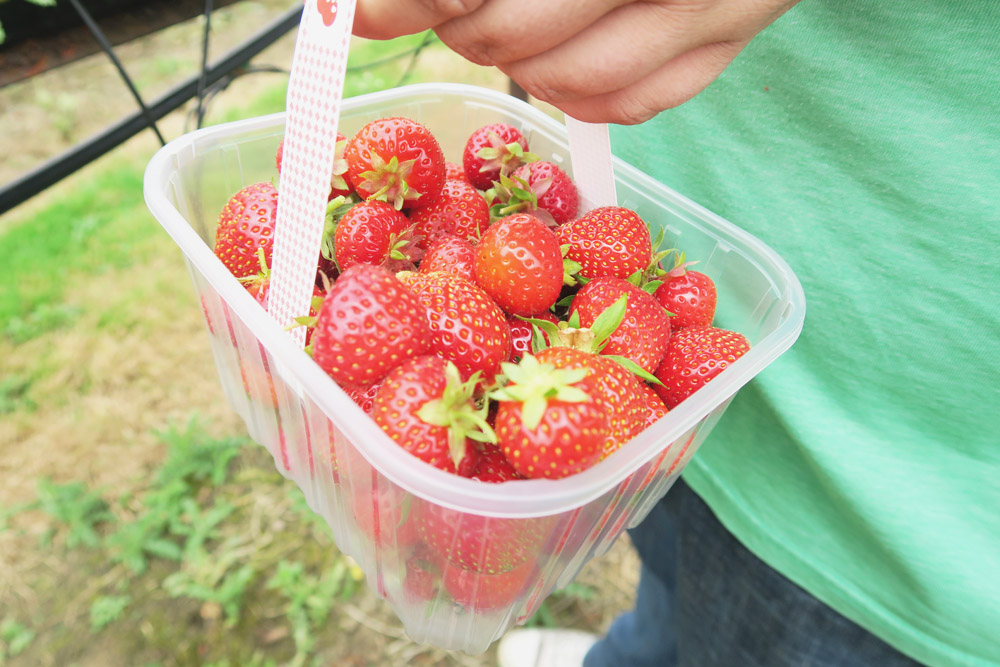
95,30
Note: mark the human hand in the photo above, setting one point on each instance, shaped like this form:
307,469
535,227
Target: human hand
619,61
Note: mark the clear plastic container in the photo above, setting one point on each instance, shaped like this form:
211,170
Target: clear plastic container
390,512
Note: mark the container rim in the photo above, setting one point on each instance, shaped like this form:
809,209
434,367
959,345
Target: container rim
516,499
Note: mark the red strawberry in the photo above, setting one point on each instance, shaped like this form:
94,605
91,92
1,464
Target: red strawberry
245,224
454,172
518,262
644,332
550,422
338,183
489,545
425,406
259,287
396,160
372,232
691,296
492,150
695,356
521,333
493,466
614,387
459,210
364,395
554,191
381,511
655,409
466,326
451,254
482,592
607,241
369,323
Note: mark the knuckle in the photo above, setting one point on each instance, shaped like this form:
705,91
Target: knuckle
452,9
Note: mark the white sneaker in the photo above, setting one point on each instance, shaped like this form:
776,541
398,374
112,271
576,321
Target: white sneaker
531,647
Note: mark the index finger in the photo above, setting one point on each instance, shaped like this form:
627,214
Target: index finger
385,19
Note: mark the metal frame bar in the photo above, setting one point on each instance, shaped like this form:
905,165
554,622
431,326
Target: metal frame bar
66,163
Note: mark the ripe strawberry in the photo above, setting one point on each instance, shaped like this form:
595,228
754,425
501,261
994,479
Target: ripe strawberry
491,150
459,210
466,326
245,224
607,241
521,333
644,332
518,262
454,172
691,296
426,407
372,232
451,254
364,395
369,323
554,191
483,592
259,287
489,545
493,466
694,357
613,386
379,508
396,160
550,423
655,409
338,183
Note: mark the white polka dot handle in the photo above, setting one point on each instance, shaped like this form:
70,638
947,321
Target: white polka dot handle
315,90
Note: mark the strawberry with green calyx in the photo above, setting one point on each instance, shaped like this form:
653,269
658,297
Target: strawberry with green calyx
644,332
259,287
522,332
339,187
466,326
592,339
451,254
396,160
426,407
690,295
368,324
494,150
336,208
553,189
519,264
373,232
459,210
607,241
548,423
695,356
245,224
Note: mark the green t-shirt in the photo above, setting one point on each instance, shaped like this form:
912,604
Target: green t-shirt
861,141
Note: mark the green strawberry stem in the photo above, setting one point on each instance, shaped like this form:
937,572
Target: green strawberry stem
391,180
535,384
457,411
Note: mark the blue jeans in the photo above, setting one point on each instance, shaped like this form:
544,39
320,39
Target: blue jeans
705,601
